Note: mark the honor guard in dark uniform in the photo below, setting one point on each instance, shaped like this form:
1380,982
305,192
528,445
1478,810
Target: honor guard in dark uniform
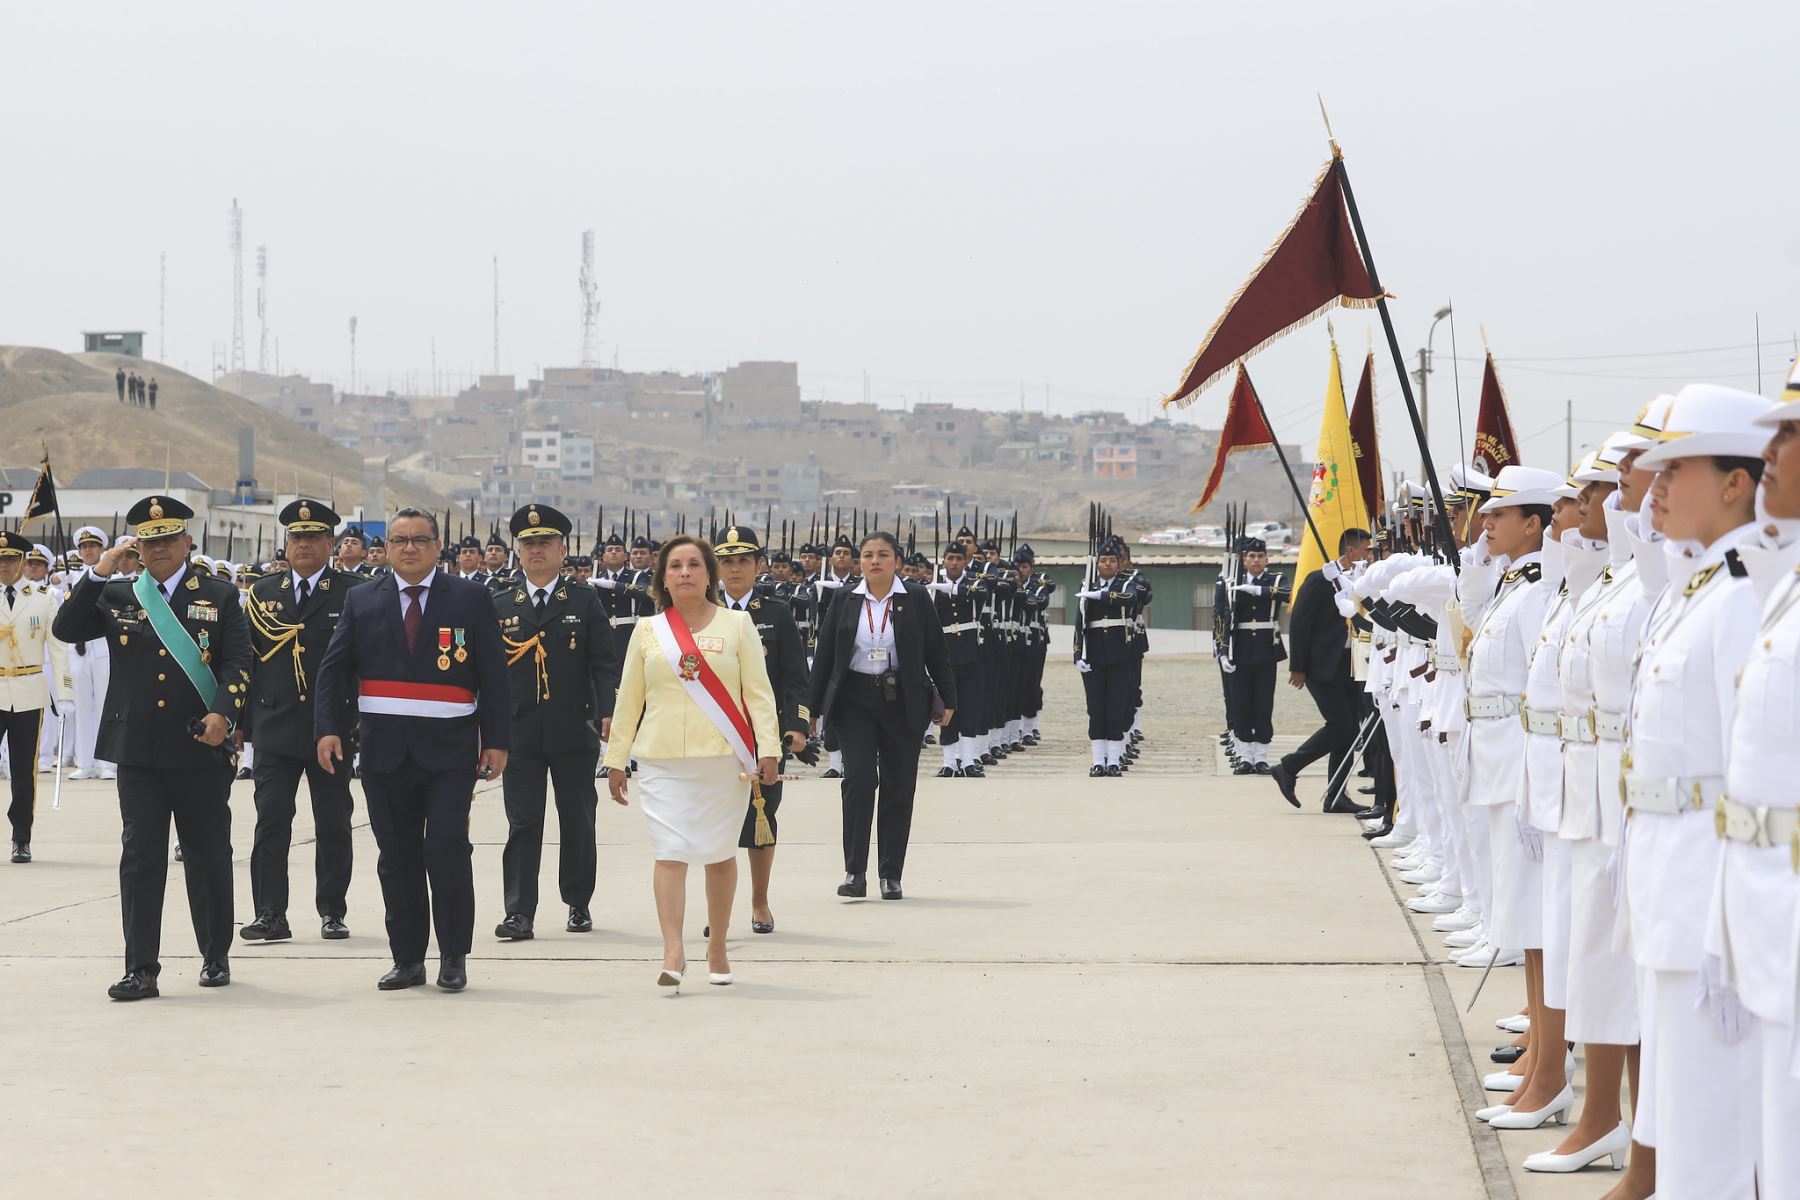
1034,595
352,553
180,655
1141,647
1256,648
837,577
958,598
1105,631
740,553
468,560
493,559
291,616
803,603
565,673
377,560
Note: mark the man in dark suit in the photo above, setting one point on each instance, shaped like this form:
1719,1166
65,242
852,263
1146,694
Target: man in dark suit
180,654
740,556
421,652
875,689
565,673
292,615
1319,661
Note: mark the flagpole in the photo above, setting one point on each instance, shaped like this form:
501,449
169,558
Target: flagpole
1305,505
1393,341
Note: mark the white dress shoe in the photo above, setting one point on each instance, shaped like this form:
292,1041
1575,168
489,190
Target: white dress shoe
108,773
1425,874
1437,902
1391,841
1492,1111
1616,1143
1517,1023
1479,945
81,773
1479,956
1462,939
1502,1081
1557,1110
1455,922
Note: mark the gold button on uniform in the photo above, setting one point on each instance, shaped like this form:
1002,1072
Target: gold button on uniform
161,677
162,651
162,704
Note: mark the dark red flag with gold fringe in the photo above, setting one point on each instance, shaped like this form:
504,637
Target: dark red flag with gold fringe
1495,445
1314,264
1245,429
1363,441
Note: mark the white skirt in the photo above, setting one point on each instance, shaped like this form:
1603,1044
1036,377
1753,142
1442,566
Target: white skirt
1556,881
1516,914
1603,980
694,807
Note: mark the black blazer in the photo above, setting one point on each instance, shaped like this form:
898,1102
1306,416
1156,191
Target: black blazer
149,700
370,643
580,667
279,717
1317,636
919,654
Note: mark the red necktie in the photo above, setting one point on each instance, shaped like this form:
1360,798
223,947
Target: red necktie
415,616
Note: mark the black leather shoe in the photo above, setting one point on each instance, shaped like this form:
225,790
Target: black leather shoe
580,921
973,771
1244,768
1507,1054
21,852
453,973
1345,806
404,975
1366,791
1284,779
1032,739
1370,813
762,926
1114,771
1137,735
137,985
1012,746
890,889
832,773
215,974
333,929
854,886
1375,831
516,928
268,927
1263,768
930,741
1096,771
243,773
988,760
946,773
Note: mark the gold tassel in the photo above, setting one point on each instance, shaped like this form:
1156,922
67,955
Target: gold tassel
765,834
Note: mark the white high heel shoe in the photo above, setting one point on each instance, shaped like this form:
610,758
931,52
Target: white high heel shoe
719,978
1616,1144
670,979
1517,1023
1557,1110
1492,1111
1506,1081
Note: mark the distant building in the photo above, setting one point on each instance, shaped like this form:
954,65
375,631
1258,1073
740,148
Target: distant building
1113,461
129,341
760,393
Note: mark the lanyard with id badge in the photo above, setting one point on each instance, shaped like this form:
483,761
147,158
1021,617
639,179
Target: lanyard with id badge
877,656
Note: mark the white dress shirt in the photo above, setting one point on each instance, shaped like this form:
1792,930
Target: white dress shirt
312,583
874,650
742,603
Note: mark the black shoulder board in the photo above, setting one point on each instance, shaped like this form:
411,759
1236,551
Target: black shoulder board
1532,572
1735,565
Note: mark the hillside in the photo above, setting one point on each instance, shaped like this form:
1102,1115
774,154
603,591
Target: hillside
70,403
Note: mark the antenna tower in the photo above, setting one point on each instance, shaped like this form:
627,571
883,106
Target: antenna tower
162,307
262,309
590,301
352,386
496,314
237,286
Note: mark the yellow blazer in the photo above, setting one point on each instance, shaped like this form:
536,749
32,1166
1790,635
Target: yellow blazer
653,716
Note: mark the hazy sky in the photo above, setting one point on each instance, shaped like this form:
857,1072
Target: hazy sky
958,198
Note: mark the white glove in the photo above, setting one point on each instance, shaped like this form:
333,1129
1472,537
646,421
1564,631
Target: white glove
1094,594
1731,1021
827,582
941,585
1530,837
1345,605
1226,665
1248,589
608,584
1081,664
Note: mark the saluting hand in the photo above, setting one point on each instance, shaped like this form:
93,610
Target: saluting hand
110,560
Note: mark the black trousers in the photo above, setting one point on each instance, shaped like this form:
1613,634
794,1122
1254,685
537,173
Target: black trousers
880,751
1256,702
199,801
421,824
1228,681
1338,705
1033,700
571,773
277,779
21,732
966,720
1108,688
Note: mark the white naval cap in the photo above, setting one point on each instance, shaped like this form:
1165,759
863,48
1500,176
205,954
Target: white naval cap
1604,467
1788,407
1649,424
1517,487
1707,419
1570,488
88,533
121,540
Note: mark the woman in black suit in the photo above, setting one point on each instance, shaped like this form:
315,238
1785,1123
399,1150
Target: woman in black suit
880,652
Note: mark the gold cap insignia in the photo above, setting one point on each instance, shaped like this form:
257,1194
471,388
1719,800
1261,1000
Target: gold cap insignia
731,534
532,516
305,513
156,509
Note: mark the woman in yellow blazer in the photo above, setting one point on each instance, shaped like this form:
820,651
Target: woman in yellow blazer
690,772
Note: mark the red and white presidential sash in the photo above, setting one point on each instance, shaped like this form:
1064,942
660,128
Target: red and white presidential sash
703,685
400,698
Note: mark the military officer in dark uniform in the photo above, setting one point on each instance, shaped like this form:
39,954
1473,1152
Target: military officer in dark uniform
291,618
958,597
565,673
837,577
180,655
1034,595
740,554
1255,650
494,555
468,560
352,553
377,561
1104,652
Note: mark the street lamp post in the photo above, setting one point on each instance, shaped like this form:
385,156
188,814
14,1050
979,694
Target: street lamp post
1422,376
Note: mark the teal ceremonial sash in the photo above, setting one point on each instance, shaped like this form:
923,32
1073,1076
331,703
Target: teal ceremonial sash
175,637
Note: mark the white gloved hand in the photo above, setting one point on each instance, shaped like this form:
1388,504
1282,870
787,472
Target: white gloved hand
1226,665
608,584
941,585
1092,594
1530,837
1730,1019
1081,664
1345,605
827,582
1248,589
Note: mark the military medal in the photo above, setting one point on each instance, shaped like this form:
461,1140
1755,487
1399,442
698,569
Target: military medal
205,653
462,655
690,667
443,649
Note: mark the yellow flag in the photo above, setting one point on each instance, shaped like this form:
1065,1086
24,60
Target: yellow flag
1336,502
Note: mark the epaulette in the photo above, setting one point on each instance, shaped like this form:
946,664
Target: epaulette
1735,565
1530,573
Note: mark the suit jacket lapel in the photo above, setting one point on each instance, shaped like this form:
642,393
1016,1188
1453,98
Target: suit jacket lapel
389,601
